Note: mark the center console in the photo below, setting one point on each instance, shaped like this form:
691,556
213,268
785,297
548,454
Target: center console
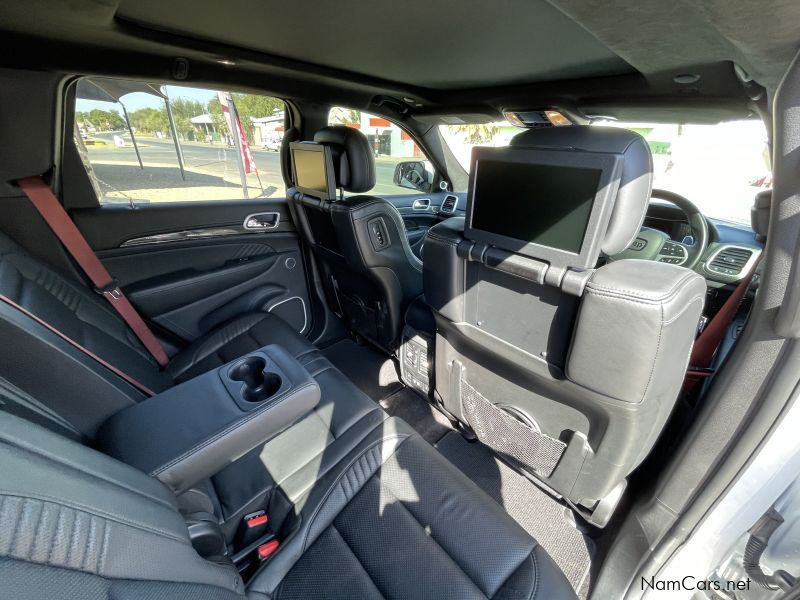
191,431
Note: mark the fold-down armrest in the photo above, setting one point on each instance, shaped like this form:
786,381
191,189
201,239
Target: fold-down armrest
191,431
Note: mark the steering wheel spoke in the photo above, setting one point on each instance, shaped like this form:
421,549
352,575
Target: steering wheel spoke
673,253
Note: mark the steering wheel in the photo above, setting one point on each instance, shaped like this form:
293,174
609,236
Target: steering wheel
652,244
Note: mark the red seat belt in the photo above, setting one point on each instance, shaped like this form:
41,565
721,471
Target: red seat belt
139,386
705,346
42,197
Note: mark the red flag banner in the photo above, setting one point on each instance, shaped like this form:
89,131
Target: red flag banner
248,161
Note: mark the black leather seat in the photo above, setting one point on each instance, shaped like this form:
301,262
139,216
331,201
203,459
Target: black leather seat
370,273
39,362
578,391
391,519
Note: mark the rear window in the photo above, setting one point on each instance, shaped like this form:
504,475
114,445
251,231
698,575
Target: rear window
144,142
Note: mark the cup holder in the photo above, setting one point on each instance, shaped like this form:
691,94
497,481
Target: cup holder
258,384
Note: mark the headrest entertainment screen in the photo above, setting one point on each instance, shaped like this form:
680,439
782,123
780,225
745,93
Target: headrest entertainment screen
537,204
550,205
313,170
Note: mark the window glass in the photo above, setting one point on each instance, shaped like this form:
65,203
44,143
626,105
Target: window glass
152,143
718,167
391,146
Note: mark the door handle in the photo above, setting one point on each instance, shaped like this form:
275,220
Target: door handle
421,204
262,221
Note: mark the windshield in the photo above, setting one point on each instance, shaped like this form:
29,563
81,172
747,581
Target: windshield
718,167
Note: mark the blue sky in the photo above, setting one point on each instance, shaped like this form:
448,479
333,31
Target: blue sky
138,100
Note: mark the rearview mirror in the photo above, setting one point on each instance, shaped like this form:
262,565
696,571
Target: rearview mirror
414,175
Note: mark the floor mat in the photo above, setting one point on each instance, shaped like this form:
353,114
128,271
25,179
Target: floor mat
372,371
541,516
417,412
376,375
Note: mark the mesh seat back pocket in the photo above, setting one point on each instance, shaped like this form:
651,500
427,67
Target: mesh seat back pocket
509,436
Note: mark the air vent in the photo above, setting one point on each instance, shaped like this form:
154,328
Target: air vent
730,260
448,206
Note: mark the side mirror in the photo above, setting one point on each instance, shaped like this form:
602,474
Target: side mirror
414,175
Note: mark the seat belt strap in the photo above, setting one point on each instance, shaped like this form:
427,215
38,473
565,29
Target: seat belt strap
139,386
705,346
51,210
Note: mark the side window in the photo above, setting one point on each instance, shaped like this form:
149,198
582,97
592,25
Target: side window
400,165
143,142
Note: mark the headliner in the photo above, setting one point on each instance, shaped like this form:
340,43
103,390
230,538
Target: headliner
437,45
589,57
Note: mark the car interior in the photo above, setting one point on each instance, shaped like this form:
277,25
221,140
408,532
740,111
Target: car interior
456,338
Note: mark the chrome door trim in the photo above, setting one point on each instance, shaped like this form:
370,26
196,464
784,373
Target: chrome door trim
421,205
305,311
255,225
186,234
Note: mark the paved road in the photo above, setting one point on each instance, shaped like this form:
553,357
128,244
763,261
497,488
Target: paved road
212,171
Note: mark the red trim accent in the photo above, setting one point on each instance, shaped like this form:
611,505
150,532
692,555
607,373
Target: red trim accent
42,198
268,549
705,346
139,386
379,122
256,521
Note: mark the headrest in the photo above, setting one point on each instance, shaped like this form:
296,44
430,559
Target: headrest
353,161
291,135
636,182
759,214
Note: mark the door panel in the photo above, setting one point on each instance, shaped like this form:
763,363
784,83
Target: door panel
417,220
192,285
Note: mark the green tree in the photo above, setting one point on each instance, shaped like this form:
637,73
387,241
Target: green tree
476,133
150,120
249,106
344,116
104,120
183,110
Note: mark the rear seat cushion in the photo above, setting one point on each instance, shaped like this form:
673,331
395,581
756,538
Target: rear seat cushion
294,459
395,519
234,339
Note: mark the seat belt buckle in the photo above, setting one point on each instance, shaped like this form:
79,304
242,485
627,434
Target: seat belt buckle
266,550
110,290
256,519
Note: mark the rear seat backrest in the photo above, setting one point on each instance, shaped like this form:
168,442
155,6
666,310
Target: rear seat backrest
39,362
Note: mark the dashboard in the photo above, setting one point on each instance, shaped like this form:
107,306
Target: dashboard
731,251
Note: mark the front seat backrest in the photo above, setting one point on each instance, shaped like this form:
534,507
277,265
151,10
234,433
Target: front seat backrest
572,381
378,275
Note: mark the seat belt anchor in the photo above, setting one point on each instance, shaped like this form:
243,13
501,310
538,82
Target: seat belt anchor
111,289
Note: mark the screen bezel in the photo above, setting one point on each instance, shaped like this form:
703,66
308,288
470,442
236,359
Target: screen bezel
329,173
610,167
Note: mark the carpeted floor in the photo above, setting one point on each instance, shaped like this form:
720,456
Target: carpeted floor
546,519
543,517
376,375
371,370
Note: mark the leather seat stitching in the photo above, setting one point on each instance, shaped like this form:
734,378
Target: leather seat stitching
338,479
431,536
